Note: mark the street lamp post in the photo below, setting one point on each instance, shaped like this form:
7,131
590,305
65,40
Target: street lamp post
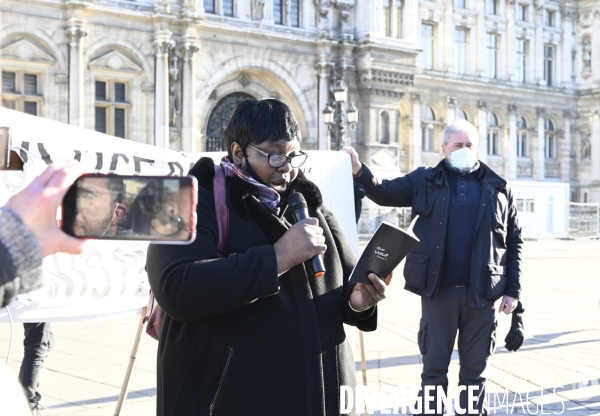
337,117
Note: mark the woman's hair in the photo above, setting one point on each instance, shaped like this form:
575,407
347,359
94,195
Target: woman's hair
256,121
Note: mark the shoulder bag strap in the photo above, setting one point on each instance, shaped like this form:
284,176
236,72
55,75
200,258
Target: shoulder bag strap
221,209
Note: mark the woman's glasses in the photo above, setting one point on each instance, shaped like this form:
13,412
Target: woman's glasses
277,160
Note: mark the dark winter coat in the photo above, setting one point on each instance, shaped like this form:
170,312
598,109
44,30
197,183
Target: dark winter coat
497,247
238,337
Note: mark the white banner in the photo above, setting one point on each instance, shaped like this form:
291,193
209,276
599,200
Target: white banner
108,280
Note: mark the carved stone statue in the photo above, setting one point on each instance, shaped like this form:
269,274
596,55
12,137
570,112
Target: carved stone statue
586,146
173,91
587,54
258,9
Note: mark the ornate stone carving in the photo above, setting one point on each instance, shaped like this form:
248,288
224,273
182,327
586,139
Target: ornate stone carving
417,97
386,93
586,145
26,50
190,9
117,61
482,104
75,34
385,77
162,6
452,101
245,80
174,95
540,111
512,109
162,46
188,49
586,54
257,9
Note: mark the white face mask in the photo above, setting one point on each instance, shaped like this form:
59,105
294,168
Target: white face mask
463,159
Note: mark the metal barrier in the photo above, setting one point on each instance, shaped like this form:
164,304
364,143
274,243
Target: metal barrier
370,218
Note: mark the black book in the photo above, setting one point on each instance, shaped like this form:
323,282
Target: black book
386,249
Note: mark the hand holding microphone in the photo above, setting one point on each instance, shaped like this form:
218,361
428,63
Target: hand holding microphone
303,241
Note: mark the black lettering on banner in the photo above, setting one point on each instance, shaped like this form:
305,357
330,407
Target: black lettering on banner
24,145
98,162
127,260
77,155
95,257
137,161
115,159
172,167
45,156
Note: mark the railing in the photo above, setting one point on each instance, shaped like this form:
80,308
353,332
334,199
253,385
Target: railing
584,219
370,218
215,144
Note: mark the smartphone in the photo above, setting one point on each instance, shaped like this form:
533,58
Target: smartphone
115,207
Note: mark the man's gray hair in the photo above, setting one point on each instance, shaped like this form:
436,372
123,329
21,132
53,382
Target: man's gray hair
461,126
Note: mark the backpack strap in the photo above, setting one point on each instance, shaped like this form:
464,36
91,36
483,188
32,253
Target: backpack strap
221,210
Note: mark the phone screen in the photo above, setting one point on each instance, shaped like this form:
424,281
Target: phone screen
156,208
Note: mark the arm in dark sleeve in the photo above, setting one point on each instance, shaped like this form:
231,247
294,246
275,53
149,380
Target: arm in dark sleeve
190,283
514,244
390,193
20,258
364,320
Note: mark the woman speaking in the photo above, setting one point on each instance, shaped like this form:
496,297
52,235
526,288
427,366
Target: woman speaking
255,333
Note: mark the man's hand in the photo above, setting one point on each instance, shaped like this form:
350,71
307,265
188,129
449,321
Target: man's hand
365,296
356,164
515,337
38,203
507,305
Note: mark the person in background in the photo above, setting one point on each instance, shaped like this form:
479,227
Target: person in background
39,340
469,255
29,232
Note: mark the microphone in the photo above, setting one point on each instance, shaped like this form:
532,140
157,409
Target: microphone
297,204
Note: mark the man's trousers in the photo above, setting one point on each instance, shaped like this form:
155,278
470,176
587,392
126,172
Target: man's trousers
38,342
447,314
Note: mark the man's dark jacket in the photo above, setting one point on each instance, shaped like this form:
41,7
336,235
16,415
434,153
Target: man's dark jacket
284,335
497,246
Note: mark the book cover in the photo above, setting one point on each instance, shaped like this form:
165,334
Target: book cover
385,250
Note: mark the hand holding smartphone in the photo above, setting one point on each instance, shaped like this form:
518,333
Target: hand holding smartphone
115,207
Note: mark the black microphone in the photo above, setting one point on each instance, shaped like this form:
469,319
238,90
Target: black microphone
297,204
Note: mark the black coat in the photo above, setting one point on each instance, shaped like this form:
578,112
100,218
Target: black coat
276,345
497,248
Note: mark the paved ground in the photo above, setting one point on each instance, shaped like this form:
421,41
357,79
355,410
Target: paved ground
84,372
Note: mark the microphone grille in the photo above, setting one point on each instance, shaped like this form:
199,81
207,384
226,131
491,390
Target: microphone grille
296,200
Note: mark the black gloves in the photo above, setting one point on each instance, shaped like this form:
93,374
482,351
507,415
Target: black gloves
515,336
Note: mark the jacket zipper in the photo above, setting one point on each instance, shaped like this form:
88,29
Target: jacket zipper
213,402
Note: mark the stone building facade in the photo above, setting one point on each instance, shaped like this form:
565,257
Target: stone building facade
526,73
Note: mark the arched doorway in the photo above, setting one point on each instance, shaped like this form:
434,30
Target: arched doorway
219,119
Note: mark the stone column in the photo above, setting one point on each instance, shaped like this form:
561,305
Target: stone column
75,34
480,38
448,51
452,109
148,90
596,47
595,140
565,149
539,155
415,146
509,52
538,49
482,118
162,45
510,148
567,44
188,126
323,70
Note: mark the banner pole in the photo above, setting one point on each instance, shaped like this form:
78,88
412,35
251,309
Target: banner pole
363,362
136,344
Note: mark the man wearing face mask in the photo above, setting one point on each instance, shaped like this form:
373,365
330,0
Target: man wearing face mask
468,257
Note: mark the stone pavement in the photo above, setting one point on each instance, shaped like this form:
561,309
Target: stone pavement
561,355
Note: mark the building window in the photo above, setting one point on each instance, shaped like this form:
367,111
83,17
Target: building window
492,134
385,17
549,18
209,6
428,129
460,4
228,8
111,108
525,205
398,25
20,91
427,46
460,50
521,12
462,115
550,139
521,64
384,128
490,6
492,54
278,12
294,13
549,64
522,138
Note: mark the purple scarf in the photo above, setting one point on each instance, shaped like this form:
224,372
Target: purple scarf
269,197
